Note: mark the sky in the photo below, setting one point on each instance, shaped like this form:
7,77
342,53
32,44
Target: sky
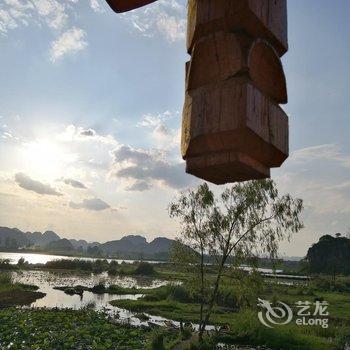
90,115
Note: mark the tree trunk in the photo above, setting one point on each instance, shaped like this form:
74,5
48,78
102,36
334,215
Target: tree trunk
202,295
212,301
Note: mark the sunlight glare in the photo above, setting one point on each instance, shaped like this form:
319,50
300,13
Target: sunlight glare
43,158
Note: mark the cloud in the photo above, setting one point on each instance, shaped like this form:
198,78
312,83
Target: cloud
80,134
149,120
162,136
320,175
94,204
171,27
88,132
70,42
149,166
6,22
53,12
15,13
161,131
321,152
164,17
139,186
29,184
74,183
96,6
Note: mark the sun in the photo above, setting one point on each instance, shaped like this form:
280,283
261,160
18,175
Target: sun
43,158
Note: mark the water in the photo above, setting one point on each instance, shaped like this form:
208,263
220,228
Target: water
44,258
46,281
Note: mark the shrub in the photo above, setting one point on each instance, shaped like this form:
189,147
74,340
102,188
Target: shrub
5,264
5,278
99,288
330,284
22,262
70,264
170,291
145,269
156,341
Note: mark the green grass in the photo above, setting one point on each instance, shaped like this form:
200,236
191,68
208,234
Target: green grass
172,310
245,327
66,329
15,293
174,303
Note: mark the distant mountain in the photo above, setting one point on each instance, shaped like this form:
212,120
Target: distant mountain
132,246
12,238
136,246
62,245
42,239
160,245
83,245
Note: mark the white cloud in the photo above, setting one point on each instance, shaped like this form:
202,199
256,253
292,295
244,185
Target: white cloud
320,175
161,135
149,120
171,27
53,12
70,42
96,6
14,13
6,21
167,18
321,152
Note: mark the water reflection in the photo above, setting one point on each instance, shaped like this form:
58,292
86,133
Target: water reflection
32,258
47,280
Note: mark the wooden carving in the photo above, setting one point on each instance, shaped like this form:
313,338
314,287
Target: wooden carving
233,127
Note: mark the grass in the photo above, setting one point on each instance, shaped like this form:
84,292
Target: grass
66,329
174,303
15,293
245,327
236,306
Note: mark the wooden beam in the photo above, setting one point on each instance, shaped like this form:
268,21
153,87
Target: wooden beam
127,5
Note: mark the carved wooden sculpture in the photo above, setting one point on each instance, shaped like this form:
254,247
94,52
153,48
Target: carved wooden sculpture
233,128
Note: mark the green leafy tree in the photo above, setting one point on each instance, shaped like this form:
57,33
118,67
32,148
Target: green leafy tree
246,220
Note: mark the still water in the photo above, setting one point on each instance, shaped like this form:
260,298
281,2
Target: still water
46,281
44,258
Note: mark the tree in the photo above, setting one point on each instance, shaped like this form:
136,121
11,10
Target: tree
246,220
330,255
